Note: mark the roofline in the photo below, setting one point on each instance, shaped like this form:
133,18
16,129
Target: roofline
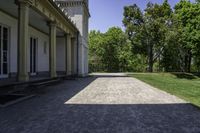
87,8
80,1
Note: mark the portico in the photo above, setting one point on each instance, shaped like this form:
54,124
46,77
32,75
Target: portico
37,30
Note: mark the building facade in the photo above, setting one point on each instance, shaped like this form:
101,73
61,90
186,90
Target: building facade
43,37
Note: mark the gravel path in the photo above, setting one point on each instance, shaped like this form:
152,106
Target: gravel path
104,103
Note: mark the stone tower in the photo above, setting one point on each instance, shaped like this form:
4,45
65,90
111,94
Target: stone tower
78,11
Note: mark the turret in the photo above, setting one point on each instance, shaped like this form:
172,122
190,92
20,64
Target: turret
78,11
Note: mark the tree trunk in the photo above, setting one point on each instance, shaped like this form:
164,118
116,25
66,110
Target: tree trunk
150,58
159,66
189,61
186,63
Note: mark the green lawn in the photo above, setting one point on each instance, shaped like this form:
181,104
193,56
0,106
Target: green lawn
183,85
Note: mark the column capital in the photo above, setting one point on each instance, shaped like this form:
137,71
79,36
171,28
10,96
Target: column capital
52,23
67,34
72,36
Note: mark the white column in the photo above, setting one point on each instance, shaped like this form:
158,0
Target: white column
66,53
72,56
81,59
52,50
87,69
23,38
75,56
69,62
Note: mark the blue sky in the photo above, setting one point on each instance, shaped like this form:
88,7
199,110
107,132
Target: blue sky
108,13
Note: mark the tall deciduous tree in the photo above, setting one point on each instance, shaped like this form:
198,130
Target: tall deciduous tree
158,38
188,15
110,50
147,30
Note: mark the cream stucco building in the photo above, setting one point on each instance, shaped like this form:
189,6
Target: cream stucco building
43,37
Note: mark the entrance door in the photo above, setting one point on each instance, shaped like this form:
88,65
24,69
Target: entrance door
4,51
33,55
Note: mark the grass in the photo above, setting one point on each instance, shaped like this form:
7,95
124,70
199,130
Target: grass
183,85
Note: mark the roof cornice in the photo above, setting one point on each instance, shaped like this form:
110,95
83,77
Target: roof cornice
73,3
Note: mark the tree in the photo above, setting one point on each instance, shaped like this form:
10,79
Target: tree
114,42
156,39
198,1
110,50
188,15
147,30
96,50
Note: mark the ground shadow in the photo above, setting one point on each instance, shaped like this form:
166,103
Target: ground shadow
140,118
49,113
186,75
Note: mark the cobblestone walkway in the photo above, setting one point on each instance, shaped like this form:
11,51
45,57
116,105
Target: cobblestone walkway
104,103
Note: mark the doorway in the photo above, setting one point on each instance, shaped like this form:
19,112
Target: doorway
33,55
4,43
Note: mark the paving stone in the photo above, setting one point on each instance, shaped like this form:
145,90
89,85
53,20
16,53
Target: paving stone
103,103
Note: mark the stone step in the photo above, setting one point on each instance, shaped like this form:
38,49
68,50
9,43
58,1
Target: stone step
44,83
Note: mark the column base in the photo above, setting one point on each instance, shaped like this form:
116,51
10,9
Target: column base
69,73
83,75
53,75
23,78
